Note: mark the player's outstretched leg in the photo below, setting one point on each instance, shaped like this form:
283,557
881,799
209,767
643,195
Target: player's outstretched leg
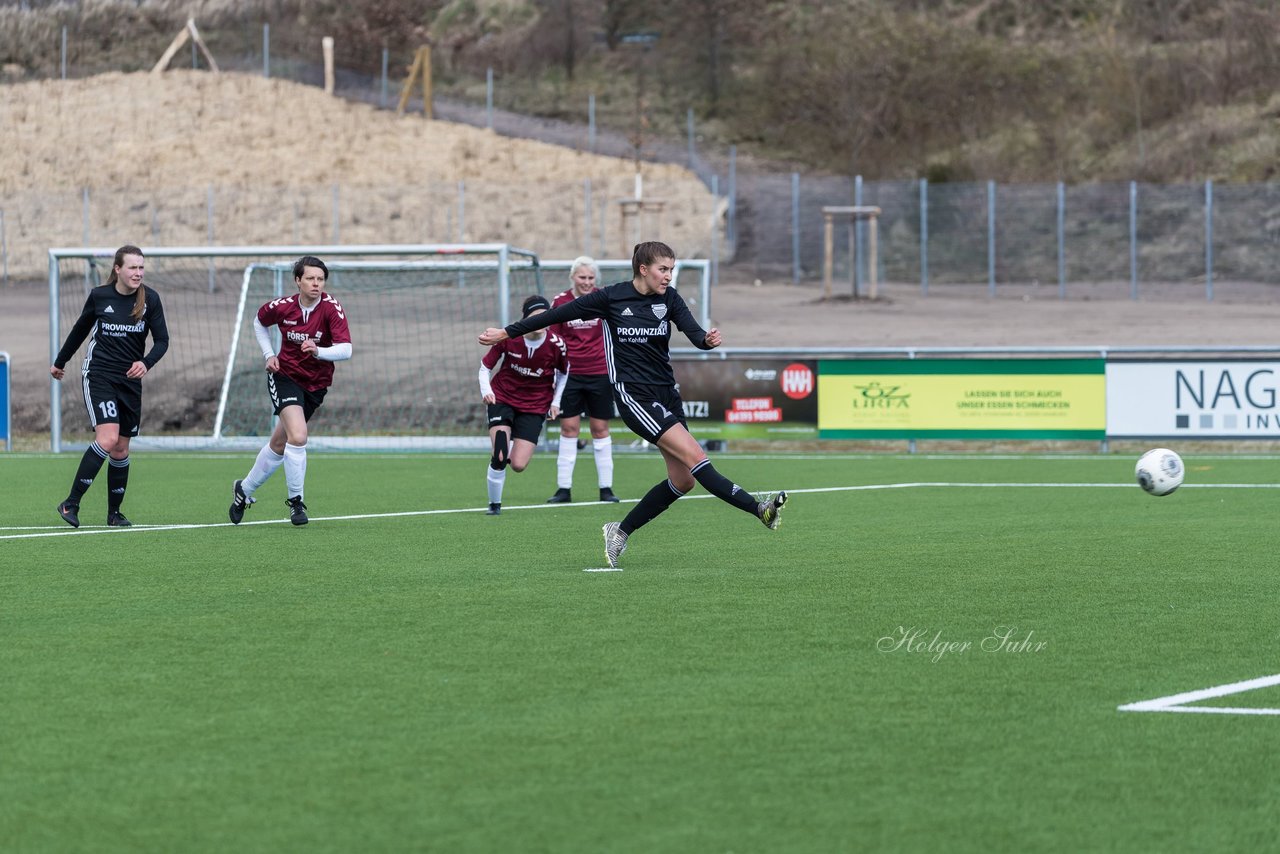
615,543
770,511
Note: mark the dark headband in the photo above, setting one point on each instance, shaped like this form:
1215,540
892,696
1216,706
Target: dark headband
534,303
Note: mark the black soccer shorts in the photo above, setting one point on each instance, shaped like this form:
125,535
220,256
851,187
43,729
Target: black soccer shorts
285,392
113,401
649,410
524,425
590,394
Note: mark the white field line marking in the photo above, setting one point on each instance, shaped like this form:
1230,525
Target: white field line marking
602,569
645,456
56,531
1176,702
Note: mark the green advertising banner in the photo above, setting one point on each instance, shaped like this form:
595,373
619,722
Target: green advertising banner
962,399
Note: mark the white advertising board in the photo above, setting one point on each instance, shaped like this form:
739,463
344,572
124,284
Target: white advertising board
1211,399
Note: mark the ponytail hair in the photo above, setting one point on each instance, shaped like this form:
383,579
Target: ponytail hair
140,298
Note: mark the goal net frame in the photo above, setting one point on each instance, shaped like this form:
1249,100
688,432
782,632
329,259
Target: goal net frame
276,262
504,258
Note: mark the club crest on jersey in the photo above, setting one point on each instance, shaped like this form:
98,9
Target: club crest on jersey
659,310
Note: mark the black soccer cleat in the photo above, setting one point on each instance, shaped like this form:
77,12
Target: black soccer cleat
606,494
115,519
297,510
495,509
70,513
239,503
562,496
770,511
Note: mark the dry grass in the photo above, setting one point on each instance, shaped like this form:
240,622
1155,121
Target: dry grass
149,147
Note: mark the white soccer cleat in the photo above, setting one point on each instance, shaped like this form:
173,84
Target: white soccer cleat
615,543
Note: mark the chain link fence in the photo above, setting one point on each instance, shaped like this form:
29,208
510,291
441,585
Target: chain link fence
1128,234
769,223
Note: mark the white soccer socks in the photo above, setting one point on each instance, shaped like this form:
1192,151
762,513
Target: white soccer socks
494,480
295,468
566,461
603,449
263,467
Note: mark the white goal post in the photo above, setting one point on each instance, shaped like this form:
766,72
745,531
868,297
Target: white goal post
414,312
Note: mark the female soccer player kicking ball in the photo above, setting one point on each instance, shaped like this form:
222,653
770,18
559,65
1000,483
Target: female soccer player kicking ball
638,317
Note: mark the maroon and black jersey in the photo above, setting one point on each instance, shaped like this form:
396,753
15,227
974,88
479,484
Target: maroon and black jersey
526,381
325,323
584,338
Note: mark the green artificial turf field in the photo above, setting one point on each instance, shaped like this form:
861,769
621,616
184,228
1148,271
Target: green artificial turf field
928,655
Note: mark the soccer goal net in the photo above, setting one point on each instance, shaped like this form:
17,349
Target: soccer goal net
414,313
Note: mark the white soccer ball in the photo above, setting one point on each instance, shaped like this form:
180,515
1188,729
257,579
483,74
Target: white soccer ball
1160,471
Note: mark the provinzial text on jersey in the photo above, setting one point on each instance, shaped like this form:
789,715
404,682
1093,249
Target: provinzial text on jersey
632,331
123,328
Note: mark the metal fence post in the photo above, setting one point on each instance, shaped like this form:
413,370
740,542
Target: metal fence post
856,236
991,238
1208,239
266,51
732,225
1133,240
715,232
488,98
924,236
688,121
1062,240
209,214
382,97
795,228
586,216
591,126
55,388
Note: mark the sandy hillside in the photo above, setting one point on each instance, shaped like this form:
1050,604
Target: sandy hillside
149,148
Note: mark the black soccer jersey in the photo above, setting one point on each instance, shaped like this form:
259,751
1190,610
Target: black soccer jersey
116,339
637,330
